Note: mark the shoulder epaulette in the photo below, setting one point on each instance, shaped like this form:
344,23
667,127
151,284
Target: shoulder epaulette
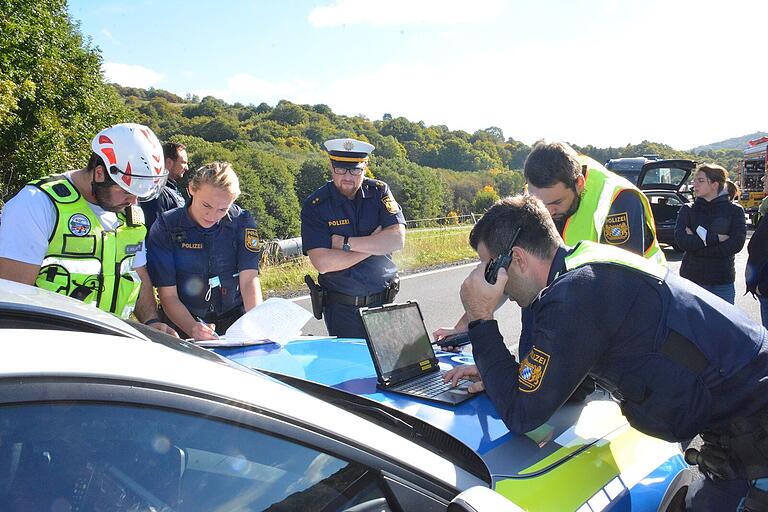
318,196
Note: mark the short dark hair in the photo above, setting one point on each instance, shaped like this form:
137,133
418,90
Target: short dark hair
171,150
550,163
96,161
538,234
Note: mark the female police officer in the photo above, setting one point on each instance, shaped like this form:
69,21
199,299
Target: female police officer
204,257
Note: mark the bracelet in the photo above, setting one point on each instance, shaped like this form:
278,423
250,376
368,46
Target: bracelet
152,321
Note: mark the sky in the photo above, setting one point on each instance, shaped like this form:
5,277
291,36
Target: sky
601,72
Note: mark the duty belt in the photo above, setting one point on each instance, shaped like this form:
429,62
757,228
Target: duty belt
355,300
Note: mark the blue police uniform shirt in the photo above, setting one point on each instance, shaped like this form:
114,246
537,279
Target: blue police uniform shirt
327,212
180,253
617,342
169,198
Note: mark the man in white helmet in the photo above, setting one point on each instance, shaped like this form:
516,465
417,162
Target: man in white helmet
81,233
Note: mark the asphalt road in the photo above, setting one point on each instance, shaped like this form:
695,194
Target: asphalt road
437,293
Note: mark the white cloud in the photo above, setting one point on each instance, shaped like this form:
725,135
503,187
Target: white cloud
131,75
106,33
404,12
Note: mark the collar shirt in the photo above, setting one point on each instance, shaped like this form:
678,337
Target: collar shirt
203,263
327,212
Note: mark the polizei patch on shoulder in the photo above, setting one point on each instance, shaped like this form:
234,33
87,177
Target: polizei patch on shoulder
616,228
532,370
251,240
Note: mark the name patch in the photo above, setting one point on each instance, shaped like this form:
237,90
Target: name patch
532,370
187,245
133,249
339,222
616,228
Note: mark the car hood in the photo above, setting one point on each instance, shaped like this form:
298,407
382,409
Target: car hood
582,430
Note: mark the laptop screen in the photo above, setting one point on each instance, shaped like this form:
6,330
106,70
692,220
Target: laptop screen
397,336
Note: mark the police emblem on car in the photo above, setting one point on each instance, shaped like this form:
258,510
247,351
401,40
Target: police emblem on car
79,225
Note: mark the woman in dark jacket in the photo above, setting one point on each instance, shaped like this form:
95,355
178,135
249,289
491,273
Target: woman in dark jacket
756,272
711,232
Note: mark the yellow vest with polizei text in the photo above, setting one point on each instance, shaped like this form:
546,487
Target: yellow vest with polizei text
587,252
600,190
85,261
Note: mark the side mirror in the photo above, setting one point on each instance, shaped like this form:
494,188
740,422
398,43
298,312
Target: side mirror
481,499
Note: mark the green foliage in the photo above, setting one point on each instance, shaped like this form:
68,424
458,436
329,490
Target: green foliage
312,175
484,199
53,99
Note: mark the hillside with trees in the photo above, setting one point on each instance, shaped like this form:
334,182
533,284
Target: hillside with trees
53,99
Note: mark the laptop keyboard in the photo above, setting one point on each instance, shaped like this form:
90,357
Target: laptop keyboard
429,385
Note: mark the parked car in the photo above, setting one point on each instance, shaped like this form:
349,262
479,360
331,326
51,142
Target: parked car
629,167
666,185
94,415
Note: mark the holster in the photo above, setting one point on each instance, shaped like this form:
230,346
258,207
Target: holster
391,291
317,295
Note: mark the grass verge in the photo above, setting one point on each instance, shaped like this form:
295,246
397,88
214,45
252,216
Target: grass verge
424,248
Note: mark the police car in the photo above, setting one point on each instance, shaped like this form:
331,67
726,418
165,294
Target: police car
94,416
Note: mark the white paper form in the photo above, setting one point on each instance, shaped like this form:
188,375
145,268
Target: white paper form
273,321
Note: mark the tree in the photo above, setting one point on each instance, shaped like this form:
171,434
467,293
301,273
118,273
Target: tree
313,174
53,98
484,199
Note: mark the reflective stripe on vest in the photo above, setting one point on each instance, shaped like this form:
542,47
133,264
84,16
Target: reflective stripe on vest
587,252
83,260
600,190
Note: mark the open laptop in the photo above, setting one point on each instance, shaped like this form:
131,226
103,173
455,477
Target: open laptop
403,356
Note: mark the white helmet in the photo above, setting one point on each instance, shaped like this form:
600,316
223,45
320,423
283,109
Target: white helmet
134,158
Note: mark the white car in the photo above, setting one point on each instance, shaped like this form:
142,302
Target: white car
96,417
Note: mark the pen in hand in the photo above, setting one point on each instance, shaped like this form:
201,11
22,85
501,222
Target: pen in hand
201,321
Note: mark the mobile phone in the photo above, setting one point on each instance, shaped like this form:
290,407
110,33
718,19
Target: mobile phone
458,339
501,261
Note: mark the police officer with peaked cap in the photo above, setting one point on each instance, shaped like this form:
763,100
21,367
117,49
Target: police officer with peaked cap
349,228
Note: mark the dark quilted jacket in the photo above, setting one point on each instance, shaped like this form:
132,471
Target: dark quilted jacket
713,262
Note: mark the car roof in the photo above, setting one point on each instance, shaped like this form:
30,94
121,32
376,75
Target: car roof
37,306
44,354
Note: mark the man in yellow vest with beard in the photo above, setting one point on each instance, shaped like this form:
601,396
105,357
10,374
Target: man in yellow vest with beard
81,233
587,202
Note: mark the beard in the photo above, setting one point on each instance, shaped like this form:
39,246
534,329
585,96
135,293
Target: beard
104,200
563,218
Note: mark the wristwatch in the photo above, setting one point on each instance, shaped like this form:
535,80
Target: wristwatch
345,246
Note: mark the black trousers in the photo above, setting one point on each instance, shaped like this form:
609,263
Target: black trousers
344,321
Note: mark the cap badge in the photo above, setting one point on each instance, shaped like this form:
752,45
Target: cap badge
348,145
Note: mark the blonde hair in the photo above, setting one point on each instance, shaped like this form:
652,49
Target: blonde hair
219,175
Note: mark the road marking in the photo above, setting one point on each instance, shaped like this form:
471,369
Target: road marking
409,276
